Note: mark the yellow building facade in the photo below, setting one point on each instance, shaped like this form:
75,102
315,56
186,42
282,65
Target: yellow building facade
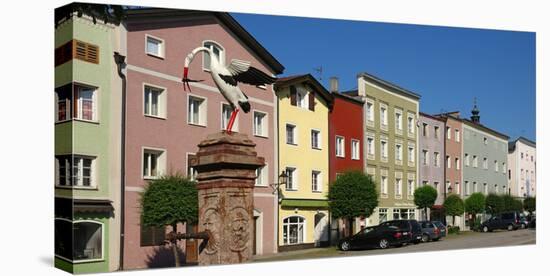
303,110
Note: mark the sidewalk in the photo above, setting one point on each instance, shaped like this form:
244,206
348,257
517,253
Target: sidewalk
289,254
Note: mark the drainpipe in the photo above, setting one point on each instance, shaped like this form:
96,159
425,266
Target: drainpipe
119,60
444,184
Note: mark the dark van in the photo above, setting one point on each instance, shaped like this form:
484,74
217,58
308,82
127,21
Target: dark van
507,220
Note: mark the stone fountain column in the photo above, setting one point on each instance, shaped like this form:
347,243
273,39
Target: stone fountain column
226,165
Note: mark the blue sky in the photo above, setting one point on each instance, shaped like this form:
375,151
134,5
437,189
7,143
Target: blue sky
448,67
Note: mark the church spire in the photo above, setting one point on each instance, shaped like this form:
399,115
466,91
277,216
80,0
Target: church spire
475,113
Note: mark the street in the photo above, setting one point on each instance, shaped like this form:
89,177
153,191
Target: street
464,240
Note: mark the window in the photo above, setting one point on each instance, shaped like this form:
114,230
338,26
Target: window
466,160
226,115
509,174
457,163
340,146
496,188
302,99
217,51
153,101
448,184
78,50
63,104
436,159
457,188
77,171
86,103
531,158
191,173
467,187
291,182
398,187
436,132
503,167
260,124
154,46
410,124
424,183
152,163
485,164
496,166
196,113
522,175
398,152
355,152
384,185
410,187
370,146
411,155
485,140
522,155
475,161
262,176
485,188
448,129
293,230
315,139
383,115
457,135
384,149
316,181
398,121
152,235
382,215
425,160
475,187
84,239
290,134
448,160
370,111
424,129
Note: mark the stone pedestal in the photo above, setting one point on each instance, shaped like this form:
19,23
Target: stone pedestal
226,166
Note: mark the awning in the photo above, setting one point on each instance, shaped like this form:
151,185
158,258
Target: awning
305,203
437,207
66,207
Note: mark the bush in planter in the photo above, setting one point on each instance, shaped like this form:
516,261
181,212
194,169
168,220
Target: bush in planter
453,230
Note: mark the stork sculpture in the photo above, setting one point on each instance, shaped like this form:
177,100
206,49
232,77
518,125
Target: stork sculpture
226,79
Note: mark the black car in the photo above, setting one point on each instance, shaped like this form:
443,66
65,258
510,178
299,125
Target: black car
508,220
410,228
380,236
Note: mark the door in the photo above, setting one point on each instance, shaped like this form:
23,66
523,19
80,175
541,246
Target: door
191,246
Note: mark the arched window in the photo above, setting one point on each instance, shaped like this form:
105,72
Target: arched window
218,52
78,241
293,230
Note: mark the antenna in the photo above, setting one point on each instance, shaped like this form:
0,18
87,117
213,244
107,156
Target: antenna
319,71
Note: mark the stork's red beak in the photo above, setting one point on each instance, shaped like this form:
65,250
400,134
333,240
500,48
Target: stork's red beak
185,79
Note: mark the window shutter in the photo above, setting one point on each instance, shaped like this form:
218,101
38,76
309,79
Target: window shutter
293,95
311,101
94,106
86,51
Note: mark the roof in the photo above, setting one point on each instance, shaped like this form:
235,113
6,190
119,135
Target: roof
431,117
348,98
512,144
486,129
388,85
306,78
171,15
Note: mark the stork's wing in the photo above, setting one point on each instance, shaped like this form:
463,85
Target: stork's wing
243,72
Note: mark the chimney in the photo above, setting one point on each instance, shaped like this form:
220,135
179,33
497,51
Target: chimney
333,84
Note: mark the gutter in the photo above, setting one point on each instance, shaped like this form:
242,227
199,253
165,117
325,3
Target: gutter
119,60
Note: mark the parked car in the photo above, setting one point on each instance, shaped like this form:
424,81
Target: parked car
380,236
410,228
442,228
523,222
507,220
533,223
430,231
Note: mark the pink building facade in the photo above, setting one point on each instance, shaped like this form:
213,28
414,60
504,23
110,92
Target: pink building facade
165,123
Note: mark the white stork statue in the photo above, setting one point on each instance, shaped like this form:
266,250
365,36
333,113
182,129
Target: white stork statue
226,79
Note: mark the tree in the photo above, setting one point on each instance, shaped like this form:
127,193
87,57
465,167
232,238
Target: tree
474,205
494,204
530,204
169,200
424,198
353,194
454,206
511,204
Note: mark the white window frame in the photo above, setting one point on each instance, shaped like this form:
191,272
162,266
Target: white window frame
293,176
398,123
384,150
190,172
263,179
448,162
485,163
371,146
221,56
457,135
398,189
302,98
223,122
370,111
355,149
383,116
466,160
102,241
475,163
411,157
457,163
410,187
264,124
319,183
410,124
448,132
496,166
162,46
425,130
161,102
437,161
287,225
95,101
161,162
436,132
425,157
319,139
202,112
383,186
340,152
398,152
294,141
